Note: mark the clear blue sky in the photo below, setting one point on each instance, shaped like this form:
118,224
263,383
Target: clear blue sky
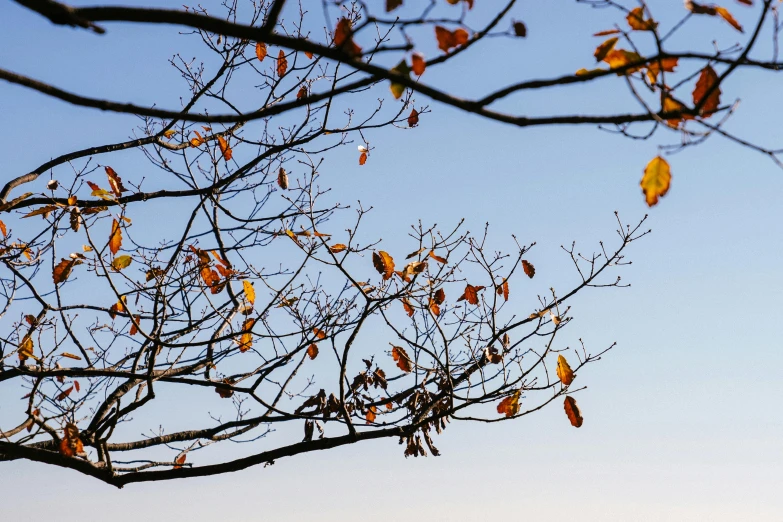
681,422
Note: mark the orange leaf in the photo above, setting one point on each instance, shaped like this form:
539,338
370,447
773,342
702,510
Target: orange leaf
302,92
370,416
363,158
319,333
71,444
564,372
312,351
339,247
726,15
672,105
260,51
282,179
418,65
503,290
437,258
434,308
529,269
403,361
63,270
656,180
707,82
246,341
408,308
665,64
76,386
448,39
413,119
510,405
115,238
637,22
383,263
134,329
602,50
282,63
194,142
471,294
179,461
63,394
572,411
224,148
115,183
607,32
617,58
343,38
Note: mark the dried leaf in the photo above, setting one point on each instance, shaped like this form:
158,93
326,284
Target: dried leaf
312,351
3,229
407,307
413,118
246,340
726,15
121,262
115,183
71,444
337,247
134,329
319,333
250,292
302,92
520,29
391,5
370,416
282,179
437,258
282,63
402,359
224,148
26,349
607,32
115,238
418,64
198,140
471,294
503,290
41,211
617,58
509,406
383,263
656,180
63,394
572,411
434,308
707,83
665,64
343,39
63,270
449,39
492,355
564,372
416,253
362,158
398,89
180,460
602,50
637,21
529,269
260,51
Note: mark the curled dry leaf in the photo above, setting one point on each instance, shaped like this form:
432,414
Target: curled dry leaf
413,118
312,351
225,393
434,307
63,270
529,269
437,258
302,92
656,180
224,148
383,263
572,411
564,372
180,460
260,51
63,394
492,355
707,92
319,333
503,290
449,39
471,294
282,63
401,357
115,183
71,444
370,416
510,405
26,349
133,328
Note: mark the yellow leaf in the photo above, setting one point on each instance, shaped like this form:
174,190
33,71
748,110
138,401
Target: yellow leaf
339,247
637,22
169,133
602,50
397,89
564,372
510,405
383,263
656,180
246,341
26,349
115,238
121,262
250,292
617,58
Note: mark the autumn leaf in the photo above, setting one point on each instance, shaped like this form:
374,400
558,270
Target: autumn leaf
42,211
471,294
397,89
607,32
714,10
246,341
343,38
572,411
492,355
180,460
437,258
434,307
401,357
656,180
637,22
282,63
260,51
509,406
383,263
170,133
26,349
664,64
312,351
726,15
449,39
118,307
672,105
115,183
302,92
224,148
617,58
391,5
134,329
602,50
362,158
63,270
71,356
418,64
413,118
564,372
115,238
416,267
529,269
195,142
370,416
3,229
63,394
336,248
503,290
707,83
121,262
520,29
282,179
319,333
407,307
71,444
250,292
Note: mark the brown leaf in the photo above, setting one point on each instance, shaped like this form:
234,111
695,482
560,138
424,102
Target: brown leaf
413,119
260,51
63,270
71,356
42,211
520,29
312,351
503,290
3,229
448,39
434,308
337,247
439,296
71,444
403,361
510,405
529,269
319,333
564,372
225,393
707,82
407,307
115,183
602,50
471,294
572,411
63,394
437,258
302,92
362,158
115,238
416,253
418,64
224,148
133,328
607,32
726,15
637,21
282,179
76,386
492,355
391,5
383,263
282,63
343,38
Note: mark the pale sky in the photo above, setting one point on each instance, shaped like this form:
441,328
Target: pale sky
681,420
